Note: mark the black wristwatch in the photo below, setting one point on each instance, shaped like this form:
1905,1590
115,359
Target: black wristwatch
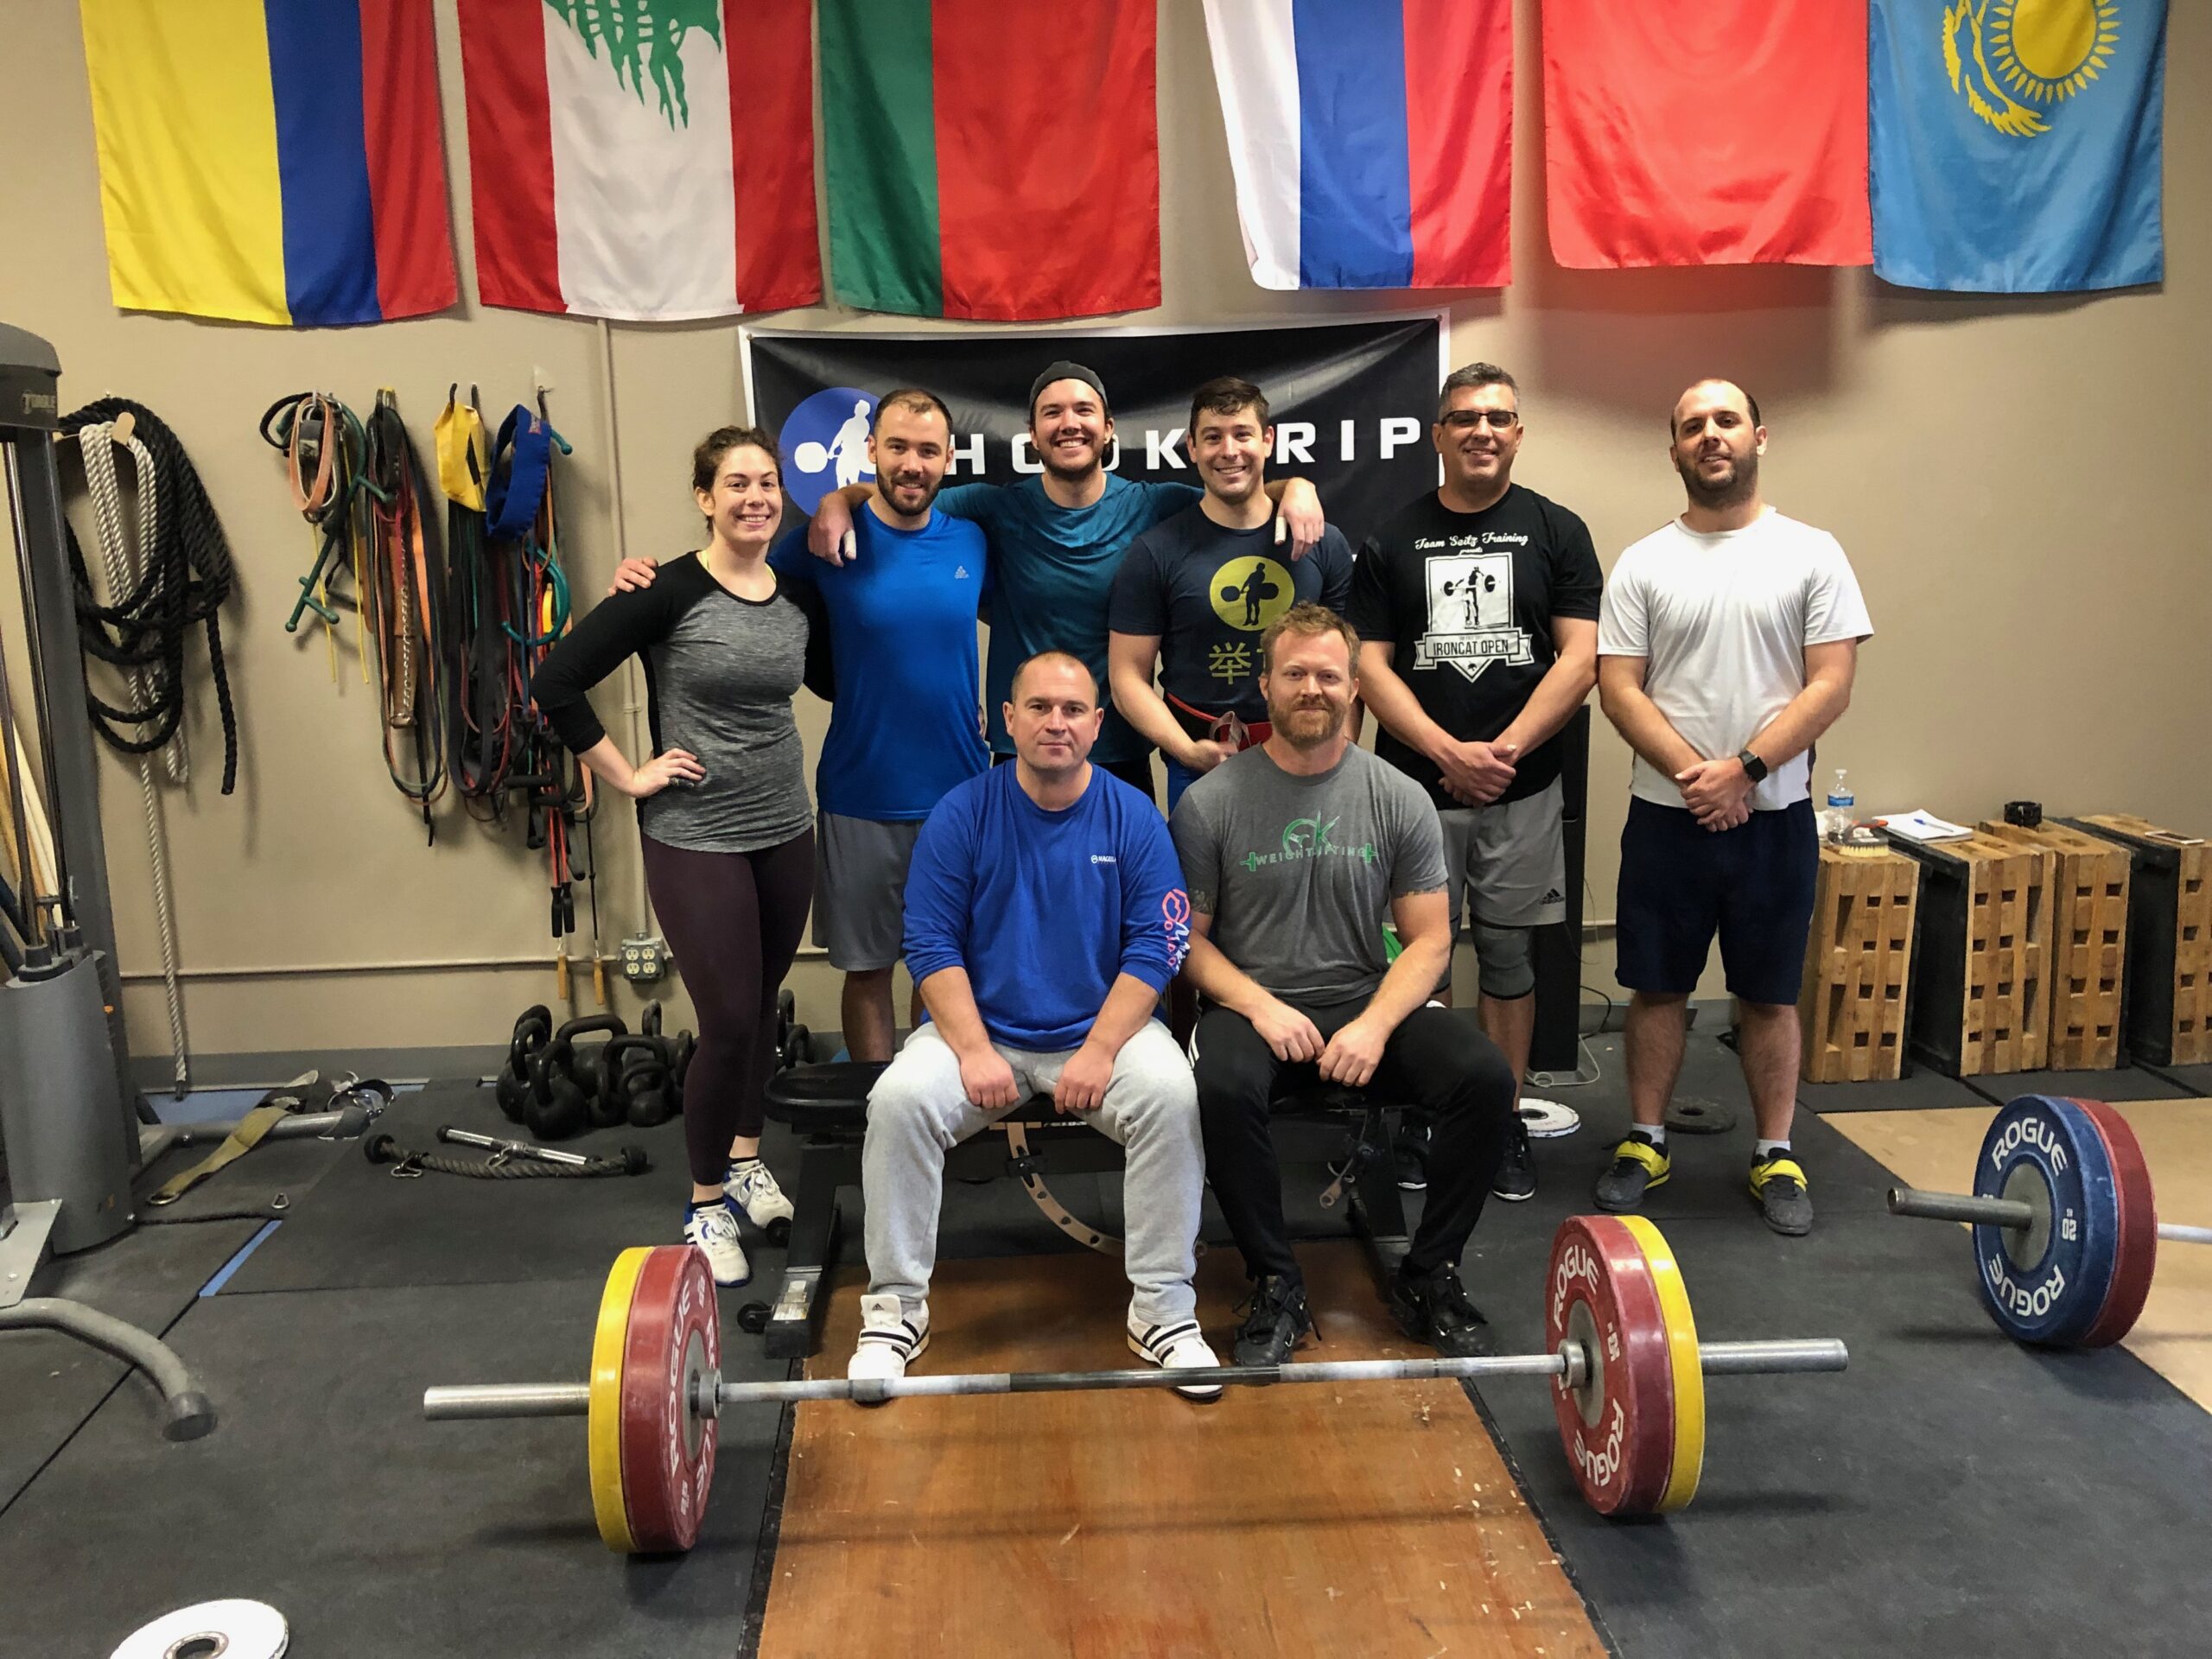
1754,768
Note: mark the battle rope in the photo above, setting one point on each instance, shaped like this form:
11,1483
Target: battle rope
140,630
184,577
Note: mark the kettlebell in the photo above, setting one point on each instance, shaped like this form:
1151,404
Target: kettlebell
649,1019
587,1066
533,1030
639,1068
555,1107
680,1060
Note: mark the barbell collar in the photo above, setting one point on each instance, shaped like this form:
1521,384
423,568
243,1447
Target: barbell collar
573,1400
2008,1213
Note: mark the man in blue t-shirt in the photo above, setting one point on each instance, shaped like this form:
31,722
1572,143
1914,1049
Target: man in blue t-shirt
1044,913
903,727
1056,540
902,723
1195,593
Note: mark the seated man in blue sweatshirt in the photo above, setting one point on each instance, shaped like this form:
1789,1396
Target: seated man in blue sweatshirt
1045,914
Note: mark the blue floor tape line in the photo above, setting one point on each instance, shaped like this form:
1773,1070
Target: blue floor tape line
222,1275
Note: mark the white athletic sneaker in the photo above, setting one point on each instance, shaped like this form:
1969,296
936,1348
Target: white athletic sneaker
888,1341
753,1190
1176,1347
713,1229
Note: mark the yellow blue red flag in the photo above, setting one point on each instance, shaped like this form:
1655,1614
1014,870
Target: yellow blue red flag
2015,143
270,160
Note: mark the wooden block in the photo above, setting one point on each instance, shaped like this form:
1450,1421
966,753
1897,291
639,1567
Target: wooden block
2088,942
1858,963
1982,1004
2168,1006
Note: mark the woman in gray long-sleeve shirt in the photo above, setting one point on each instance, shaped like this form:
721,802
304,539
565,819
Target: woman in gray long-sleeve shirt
728,831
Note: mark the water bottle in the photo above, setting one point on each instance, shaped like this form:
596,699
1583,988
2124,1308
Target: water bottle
1842,810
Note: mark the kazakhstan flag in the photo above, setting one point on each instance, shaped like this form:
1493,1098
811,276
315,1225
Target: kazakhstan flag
2015,143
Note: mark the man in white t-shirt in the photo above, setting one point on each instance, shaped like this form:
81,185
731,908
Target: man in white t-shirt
1726,644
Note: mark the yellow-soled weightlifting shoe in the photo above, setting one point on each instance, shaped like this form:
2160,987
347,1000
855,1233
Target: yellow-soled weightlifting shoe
1778,1189
1637,1166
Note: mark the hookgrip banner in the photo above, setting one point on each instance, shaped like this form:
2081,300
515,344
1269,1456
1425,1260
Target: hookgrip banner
1352,402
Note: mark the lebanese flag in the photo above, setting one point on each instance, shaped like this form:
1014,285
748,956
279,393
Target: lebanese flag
646,174
991,160
1726,132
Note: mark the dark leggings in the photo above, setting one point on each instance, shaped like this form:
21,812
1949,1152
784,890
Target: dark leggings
734,921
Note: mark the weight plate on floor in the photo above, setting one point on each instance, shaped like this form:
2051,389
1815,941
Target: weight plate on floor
2135,1255
2048,1284
603,1432
236,1630
1618,1426
672,1348
1547,1119
1688,1373
1691,1115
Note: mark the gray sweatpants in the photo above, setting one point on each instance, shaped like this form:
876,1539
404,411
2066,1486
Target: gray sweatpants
918,1111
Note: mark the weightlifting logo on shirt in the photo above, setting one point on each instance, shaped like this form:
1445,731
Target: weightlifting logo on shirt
1304,838
1471,604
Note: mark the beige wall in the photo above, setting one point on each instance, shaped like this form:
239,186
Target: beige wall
2022,484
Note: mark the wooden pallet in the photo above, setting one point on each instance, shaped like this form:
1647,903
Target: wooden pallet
1981,1000
2088,942
1858,962
2168,1007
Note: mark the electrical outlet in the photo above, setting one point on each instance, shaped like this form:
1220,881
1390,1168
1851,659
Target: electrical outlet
644,958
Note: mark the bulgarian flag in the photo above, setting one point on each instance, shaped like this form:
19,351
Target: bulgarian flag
643,160
991,160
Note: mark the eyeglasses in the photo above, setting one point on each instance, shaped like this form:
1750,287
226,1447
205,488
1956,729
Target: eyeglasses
1466,420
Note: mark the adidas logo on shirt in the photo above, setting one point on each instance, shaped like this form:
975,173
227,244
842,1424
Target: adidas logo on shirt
1553,896
960,573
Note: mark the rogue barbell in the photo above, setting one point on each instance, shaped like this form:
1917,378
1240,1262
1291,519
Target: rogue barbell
1628,1376
2065,1230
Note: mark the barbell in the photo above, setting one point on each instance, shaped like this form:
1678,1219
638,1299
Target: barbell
2065,1230
1627,1371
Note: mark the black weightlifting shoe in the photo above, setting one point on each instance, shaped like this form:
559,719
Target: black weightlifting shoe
1515,1179
1276,1318
1433,1307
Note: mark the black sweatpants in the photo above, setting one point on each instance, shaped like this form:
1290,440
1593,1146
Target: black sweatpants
1437,1061
734,921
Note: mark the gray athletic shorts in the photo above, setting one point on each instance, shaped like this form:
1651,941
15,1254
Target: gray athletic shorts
1510,859
860,889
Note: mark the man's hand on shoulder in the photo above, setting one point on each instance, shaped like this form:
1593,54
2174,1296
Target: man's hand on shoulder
1082,1087
987,1080
1298,516
829,537
633,574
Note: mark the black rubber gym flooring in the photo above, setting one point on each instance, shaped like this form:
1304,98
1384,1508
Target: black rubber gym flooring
1950,1494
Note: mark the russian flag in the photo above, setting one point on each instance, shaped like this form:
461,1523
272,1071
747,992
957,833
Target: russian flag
1371,140
270,160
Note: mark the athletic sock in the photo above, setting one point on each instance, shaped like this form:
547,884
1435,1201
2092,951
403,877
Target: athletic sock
1654,1133
1763,1150
737,1164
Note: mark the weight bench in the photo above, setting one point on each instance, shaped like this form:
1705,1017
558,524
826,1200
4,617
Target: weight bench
826,1107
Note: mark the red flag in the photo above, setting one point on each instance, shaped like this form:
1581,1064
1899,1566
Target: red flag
1713,133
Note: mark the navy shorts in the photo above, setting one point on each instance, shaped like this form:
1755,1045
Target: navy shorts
1680,884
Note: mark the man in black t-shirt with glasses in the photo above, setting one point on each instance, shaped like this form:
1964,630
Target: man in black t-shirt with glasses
1477,608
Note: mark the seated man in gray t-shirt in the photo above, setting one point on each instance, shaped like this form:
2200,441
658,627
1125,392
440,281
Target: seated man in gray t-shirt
1292,852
